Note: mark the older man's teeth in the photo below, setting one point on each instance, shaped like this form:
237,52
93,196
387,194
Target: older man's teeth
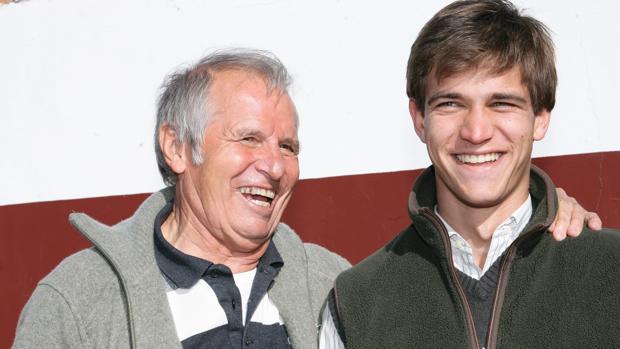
478,159
258,191
258,196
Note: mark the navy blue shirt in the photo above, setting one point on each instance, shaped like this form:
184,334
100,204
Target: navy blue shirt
183,272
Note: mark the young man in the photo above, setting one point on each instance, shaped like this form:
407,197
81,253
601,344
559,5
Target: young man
476,267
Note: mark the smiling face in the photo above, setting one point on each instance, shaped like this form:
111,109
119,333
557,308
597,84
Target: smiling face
479,129
239,192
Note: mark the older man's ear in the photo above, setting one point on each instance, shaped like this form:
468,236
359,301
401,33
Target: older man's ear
173,150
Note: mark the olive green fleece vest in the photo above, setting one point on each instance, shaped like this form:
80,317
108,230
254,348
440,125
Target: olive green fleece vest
377,299
554,294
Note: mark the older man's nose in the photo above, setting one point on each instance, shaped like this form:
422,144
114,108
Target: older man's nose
477,126
271,162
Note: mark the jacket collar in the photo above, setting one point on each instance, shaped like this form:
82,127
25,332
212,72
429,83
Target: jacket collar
129,248
423,199
291,291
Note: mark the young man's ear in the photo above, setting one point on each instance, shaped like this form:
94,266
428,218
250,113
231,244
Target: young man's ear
172,148
541,124
418,119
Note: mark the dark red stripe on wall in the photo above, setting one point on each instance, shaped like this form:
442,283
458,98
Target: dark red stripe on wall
351,215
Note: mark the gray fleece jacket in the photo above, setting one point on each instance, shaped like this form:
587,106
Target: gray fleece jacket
113,295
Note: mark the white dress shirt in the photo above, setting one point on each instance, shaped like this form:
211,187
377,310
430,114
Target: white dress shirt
507,232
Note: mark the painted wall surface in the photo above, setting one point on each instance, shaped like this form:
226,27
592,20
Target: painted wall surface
350,215
79,79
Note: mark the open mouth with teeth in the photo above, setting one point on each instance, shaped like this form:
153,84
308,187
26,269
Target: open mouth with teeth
478,158
259,196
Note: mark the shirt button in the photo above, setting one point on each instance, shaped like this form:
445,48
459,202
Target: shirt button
249,341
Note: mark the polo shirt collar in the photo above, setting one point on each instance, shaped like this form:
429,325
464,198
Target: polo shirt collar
184,271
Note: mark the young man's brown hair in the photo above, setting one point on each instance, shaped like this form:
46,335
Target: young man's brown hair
489,34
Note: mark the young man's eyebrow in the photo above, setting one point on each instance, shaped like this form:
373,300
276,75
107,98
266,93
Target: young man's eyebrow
440,95
509,96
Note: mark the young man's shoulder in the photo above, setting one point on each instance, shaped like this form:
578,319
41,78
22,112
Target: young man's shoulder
606,240
593,254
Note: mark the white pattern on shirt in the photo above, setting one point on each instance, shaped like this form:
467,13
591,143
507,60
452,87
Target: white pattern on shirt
197,309
504,235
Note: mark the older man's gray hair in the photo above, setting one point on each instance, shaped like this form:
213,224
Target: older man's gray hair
183,103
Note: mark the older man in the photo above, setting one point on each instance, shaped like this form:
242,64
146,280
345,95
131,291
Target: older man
476,267
205,262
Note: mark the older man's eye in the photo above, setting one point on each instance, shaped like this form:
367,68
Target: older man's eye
249,140
289,148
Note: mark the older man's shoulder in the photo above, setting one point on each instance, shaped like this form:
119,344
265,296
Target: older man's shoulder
325,259
319,258
81,275
81,291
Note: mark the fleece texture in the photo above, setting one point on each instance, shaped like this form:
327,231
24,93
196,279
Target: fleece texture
550,294
113,294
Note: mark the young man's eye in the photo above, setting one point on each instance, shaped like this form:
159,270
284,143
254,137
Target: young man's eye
447,105
503,105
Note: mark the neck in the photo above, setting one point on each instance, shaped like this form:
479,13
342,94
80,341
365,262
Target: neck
183,231
477,224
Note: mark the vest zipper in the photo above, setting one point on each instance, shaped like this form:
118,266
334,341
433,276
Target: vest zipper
471,329
502,281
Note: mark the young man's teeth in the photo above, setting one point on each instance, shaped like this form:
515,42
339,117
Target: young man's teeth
477,159
260,203
258,191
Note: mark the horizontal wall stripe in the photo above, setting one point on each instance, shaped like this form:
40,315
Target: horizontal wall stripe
351,215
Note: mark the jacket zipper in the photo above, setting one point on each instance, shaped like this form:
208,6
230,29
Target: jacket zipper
498,302
471,329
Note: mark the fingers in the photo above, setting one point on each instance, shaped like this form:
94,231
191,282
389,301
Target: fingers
594,221
571,217
576,221
562,218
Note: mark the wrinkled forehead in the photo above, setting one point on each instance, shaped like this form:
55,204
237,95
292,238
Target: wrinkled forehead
239,89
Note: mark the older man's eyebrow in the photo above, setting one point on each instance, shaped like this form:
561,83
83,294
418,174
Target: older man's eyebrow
443,95
245,131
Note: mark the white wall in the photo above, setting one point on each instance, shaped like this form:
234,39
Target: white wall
79,78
